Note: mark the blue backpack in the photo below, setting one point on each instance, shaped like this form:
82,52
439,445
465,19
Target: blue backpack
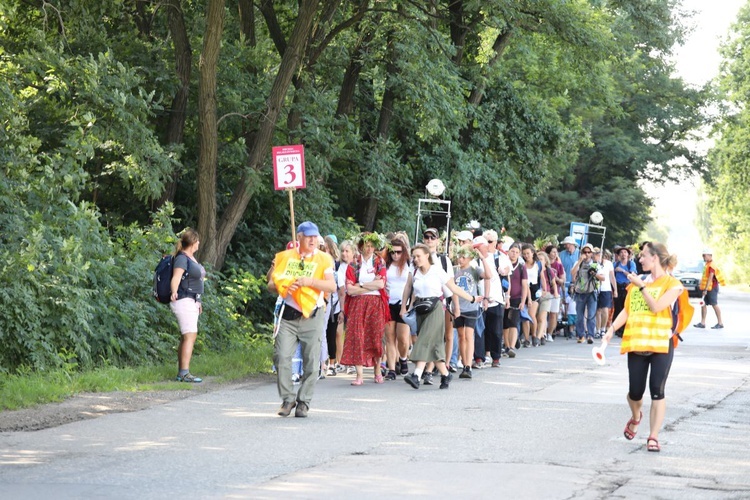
163,279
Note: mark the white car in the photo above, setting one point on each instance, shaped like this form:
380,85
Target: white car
690,277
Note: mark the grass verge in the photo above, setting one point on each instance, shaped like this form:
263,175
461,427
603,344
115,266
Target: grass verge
23,391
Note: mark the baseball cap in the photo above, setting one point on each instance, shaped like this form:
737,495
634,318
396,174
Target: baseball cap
479,241
707,251
589,246
464,236
308,229
334,238
597,250
431,230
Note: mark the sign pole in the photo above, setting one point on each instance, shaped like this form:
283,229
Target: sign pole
291,212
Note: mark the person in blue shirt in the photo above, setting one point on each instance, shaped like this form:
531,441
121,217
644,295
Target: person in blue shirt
569,256
623,266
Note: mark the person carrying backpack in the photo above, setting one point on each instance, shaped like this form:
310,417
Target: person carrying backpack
586,275
186,288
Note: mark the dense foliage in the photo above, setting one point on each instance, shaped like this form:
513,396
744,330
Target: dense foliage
728,186
533,112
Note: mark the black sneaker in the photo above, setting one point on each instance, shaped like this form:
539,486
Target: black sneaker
535,342
445,380
511,353
717,326
404,366
391,375
590,340
412,380
699,325
452,369
465,373
427,378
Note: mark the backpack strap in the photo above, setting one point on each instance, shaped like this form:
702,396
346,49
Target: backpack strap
444,262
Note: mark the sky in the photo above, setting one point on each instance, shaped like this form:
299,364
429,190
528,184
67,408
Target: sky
697,62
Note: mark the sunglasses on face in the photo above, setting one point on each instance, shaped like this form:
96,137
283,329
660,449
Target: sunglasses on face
396,252
430,237
587,252
490,241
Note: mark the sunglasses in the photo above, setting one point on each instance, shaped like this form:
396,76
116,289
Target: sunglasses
490,241
430,237
396,252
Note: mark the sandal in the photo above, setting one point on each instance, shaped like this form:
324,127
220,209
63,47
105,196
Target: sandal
358,381
652,444
378,379
629,435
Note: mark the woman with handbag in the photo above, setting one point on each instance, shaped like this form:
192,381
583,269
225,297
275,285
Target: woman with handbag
647,339
428,281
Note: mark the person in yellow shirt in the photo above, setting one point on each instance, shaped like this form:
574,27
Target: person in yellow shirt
647,338
303,277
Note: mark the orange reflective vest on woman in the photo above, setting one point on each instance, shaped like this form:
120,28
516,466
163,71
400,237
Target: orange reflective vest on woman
289,265
646,331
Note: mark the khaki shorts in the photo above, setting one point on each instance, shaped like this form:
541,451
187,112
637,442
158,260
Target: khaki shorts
545,303
187,311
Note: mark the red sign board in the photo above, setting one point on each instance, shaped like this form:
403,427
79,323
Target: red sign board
289,167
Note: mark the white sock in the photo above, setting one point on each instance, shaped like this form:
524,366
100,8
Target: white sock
418,372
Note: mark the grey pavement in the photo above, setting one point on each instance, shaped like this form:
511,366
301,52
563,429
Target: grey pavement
547,424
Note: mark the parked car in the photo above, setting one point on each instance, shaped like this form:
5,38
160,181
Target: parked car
690,276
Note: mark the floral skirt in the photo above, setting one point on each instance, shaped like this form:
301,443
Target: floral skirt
364,330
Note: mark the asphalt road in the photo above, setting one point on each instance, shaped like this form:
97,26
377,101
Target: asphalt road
547,424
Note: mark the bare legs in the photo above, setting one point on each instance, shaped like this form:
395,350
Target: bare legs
466,345
704,313
656,415
185,350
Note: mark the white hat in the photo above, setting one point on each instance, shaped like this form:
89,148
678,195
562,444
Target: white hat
480,240
707,251
464,236
569,239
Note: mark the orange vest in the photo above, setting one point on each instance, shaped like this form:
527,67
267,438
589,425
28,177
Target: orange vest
718,277
288,266
644,330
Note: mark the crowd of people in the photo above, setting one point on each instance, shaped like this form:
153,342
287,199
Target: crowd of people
382,302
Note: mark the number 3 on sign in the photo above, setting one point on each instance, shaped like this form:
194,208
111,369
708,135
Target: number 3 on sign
289,167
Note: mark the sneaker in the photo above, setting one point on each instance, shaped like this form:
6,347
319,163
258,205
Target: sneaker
302,409
476,366
404,367
597,335
699,325
526,343
459,365
331,372
504,354
717,326
190,378
412,380
535,342
590,340
518,344
543,340
350,370
580,340
427,378
550,338
295,379
496,364
391,375
511,353
445,380
340,368
465,373
452,368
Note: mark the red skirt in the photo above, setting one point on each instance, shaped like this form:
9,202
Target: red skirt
365,325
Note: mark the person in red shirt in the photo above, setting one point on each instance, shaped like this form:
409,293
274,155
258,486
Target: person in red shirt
710,287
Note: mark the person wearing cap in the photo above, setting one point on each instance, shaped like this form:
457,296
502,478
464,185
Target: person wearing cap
709,286
431,238
587,276
303,277
623,266
569,256
465,239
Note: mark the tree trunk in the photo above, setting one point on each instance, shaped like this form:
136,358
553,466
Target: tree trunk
183,65
208,127
247,21
215,248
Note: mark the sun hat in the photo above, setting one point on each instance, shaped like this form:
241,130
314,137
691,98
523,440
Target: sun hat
569,239
589,246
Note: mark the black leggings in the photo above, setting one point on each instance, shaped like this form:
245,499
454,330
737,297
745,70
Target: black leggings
638,370
331,327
